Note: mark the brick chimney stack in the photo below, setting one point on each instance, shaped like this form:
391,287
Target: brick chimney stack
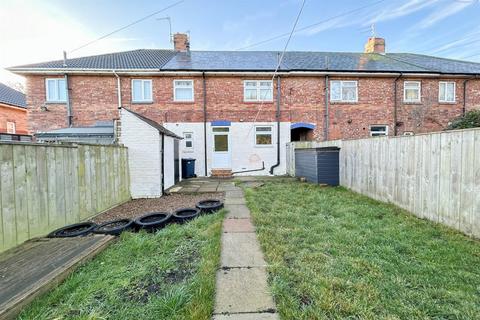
375,45
181,42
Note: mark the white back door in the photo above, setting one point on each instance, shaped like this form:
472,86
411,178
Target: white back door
221,148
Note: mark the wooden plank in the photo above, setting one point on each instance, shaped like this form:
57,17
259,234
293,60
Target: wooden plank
52,187
2,245
8,197
59,216
95,183
20,181
32,194
476,205
69,187
434,192
467,192
455,179
82,186
41,187
76,186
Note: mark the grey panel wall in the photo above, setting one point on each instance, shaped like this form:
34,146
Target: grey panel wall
306,164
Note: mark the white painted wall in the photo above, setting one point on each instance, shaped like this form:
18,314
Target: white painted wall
144,156
245,155
169,162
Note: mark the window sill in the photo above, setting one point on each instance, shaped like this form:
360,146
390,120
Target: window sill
256,102
412,102
184,102
447,102
56,102
343,102
188,151
264,146
142,102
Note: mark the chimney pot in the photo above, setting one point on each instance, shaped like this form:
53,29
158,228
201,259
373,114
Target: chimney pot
375,45
181,42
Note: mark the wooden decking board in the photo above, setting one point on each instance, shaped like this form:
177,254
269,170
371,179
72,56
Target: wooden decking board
36,266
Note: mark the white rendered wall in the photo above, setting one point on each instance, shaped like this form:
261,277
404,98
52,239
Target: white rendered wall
245,155
169,162
143,142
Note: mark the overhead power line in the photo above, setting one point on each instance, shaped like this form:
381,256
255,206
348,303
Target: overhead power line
346,13
128,25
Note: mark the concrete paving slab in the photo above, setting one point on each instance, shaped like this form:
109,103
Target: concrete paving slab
242,290
247,316
237,211
238,225
229,200
241,250
235,193
207,189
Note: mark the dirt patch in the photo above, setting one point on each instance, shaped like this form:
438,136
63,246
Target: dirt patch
168,203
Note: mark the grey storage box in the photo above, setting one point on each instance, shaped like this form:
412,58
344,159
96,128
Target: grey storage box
318,165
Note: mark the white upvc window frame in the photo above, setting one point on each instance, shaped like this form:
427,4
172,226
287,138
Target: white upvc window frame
256,133
446,83
11,127
342,85
191,139
177,86
375,133
143,99
258,87
56,98
405,100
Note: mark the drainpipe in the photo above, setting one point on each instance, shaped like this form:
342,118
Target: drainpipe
464,108
119,90
162,150
69,105
277,114
395,105
205,121
327,116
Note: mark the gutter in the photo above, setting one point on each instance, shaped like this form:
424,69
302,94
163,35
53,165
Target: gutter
395,104
205,121
235,73
277,115
119,89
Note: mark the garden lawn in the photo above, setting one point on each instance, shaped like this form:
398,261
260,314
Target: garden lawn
166,275
336,254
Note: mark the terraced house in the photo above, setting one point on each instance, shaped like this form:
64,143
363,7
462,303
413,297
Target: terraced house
234,116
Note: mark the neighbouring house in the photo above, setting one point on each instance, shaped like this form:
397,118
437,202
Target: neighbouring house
153,155
234,117
13,115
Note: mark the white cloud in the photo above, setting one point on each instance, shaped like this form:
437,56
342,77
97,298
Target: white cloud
443,12
394,12
34,31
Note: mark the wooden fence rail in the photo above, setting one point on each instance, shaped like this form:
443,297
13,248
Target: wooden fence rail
435,176
44,187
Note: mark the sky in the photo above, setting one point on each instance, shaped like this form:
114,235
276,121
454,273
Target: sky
40,30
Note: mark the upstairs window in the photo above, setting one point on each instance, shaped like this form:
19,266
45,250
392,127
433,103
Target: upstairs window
11,127
141,90
183,90
56,90
188,139
378,130
263,135
343,91
254,90
411,91
446,91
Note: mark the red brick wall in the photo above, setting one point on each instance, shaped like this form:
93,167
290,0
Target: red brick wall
94,98
13,114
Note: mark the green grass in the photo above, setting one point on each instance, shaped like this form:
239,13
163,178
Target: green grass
335,254
166,275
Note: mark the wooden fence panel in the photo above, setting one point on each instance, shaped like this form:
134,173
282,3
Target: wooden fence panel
43,187
435,176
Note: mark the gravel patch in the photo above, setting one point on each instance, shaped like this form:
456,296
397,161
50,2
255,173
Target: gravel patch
168,203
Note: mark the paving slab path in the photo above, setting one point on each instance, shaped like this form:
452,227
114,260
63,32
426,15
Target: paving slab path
241,290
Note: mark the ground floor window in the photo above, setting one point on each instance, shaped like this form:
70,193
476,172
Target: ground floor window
11,127
263,135
188,139
378,130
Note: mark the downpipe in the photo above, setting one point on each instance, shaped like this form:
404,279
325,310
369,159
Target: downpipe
278,127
